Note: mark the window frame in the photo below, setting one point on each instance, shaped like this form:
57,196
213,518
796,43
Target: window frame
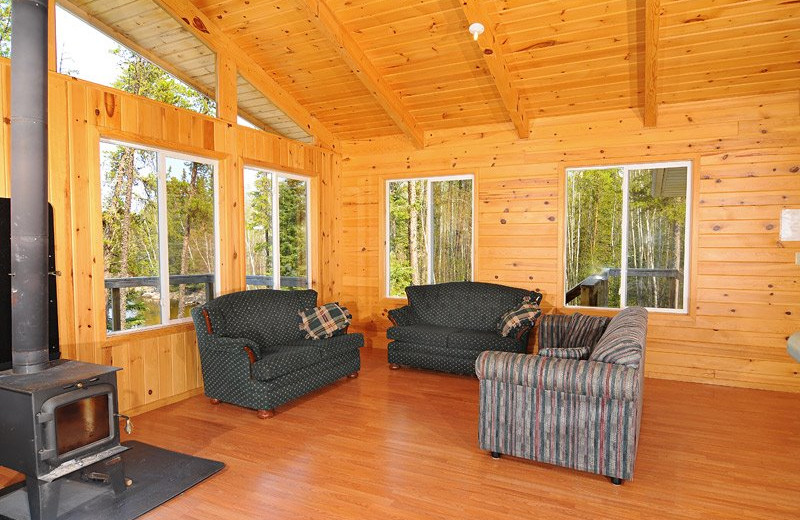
275,217
387,282
687,239
163,247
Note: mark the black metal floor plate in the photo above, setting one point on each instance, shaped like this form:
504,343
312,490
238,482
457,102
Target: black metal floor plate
157,475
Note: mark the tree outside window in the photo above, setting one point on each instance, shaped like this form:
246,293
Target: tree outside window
626,236
158,217
276,230
429,226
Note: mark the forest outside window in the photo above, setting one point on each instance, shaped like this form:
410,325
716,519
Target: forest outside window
626,236
429,227
159,234
276,216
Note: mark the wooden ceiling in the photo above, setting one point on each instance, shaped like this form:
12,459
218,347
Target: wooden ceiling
366,68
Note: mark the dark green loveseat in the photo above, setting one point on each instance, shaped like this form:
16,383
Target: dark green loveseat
445,326
253,353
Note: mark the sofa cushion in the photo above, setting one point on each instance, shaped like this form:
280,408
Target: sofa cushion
279,360
465,305
335,345
477,341
424,334
523,316
264,316
623,341
324,321
583,331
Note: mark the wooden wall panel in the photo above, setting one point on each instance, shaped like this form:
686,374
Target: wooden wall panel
745,286
160,365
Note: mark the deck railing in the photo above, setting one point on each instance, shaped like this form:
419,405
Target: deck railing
592,291
115,284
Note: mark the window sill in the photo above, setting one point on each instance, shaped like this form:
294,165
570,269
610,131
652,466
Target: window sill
155,331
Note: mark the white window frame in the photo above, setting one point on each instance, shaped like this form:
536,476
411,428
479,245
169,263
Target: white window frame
429,224
276,252
163,245
626,168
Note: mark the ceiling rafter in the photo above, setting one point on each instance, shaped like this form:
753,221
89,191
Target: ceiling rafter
208,32
652,22
498,66
329,25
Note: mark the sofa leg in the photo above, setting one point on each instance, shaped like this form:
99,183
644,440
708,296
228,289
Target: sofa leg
353,375
394,366
266,414
215,401
495,454
616,481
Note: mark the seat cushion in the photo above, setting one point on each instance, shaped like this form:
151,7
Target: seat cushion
280,360
478,341
334,346
421,334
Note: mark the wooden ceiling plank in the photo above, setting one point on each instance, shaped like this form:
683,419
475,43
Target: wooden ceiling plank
328,24
498,67
205,29
652,18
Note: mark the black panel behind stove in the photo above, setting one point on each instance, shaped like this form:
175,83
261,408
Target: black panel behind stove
5,288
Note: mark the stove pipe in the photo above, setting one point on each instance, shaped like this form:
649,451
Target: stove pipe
29,224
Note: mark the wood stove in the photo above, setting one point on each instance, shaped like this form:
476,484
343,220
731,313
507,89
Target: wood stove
57,421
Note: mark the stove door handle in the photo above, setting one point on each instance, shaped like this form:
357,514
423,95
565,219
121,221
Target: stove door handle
128,422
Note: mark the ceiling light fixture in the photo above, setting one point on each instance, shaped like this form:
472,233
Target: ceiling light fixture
476,29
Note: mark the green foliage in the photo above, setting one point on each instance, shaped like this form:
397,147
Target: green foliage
410,225
139,76
5,28
655,234
258,224
292,226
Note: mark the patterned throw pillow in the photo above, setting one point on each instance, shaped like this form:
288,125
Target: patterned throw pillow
324,321
524,315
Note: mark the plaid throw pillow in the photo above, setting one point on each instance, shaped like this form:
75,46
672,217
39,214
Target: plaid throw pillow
324,321
524,315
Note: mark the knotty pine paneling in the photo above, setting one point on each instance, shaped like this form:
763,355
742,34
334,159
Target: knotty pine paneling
160,365
745,286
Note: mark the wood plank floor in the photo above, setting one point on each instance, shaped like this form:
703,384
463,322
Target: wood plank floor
403,445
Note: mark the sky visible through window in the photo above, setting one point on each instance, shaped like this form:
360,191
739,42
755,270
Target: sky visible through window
83,51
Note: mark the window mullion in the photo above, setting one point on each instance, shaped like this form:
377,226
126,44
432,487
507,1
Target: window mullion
623,283
429,230
276,254
163,246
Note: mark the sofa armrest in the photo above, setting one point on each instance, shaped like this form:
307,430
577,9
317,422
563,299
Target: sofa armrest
551,330
402,316
576,376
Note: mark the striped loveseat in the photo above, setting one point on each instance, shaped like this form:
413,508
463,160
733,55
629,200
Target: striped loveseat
578,413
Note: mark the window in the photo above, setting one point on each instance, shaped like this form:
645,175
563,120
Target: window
429,227
626,239
276,216
158,218
87,53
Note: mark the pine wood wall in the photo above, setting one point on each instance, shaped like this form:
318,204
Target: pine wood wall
745,285
160,365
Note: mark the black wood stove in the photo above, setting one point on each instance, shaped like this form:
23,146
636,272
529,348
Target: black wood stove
57,416
55,422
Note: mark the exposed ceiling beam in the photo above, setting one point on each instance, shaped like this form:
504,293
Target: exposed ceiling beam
326,22
498,66
652,19
208,32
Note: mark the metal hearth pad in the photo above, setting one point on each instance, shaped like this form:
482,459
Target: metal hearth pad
155,476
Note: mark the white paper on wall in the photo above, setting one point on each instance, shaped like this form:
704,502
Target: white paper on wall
790,225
